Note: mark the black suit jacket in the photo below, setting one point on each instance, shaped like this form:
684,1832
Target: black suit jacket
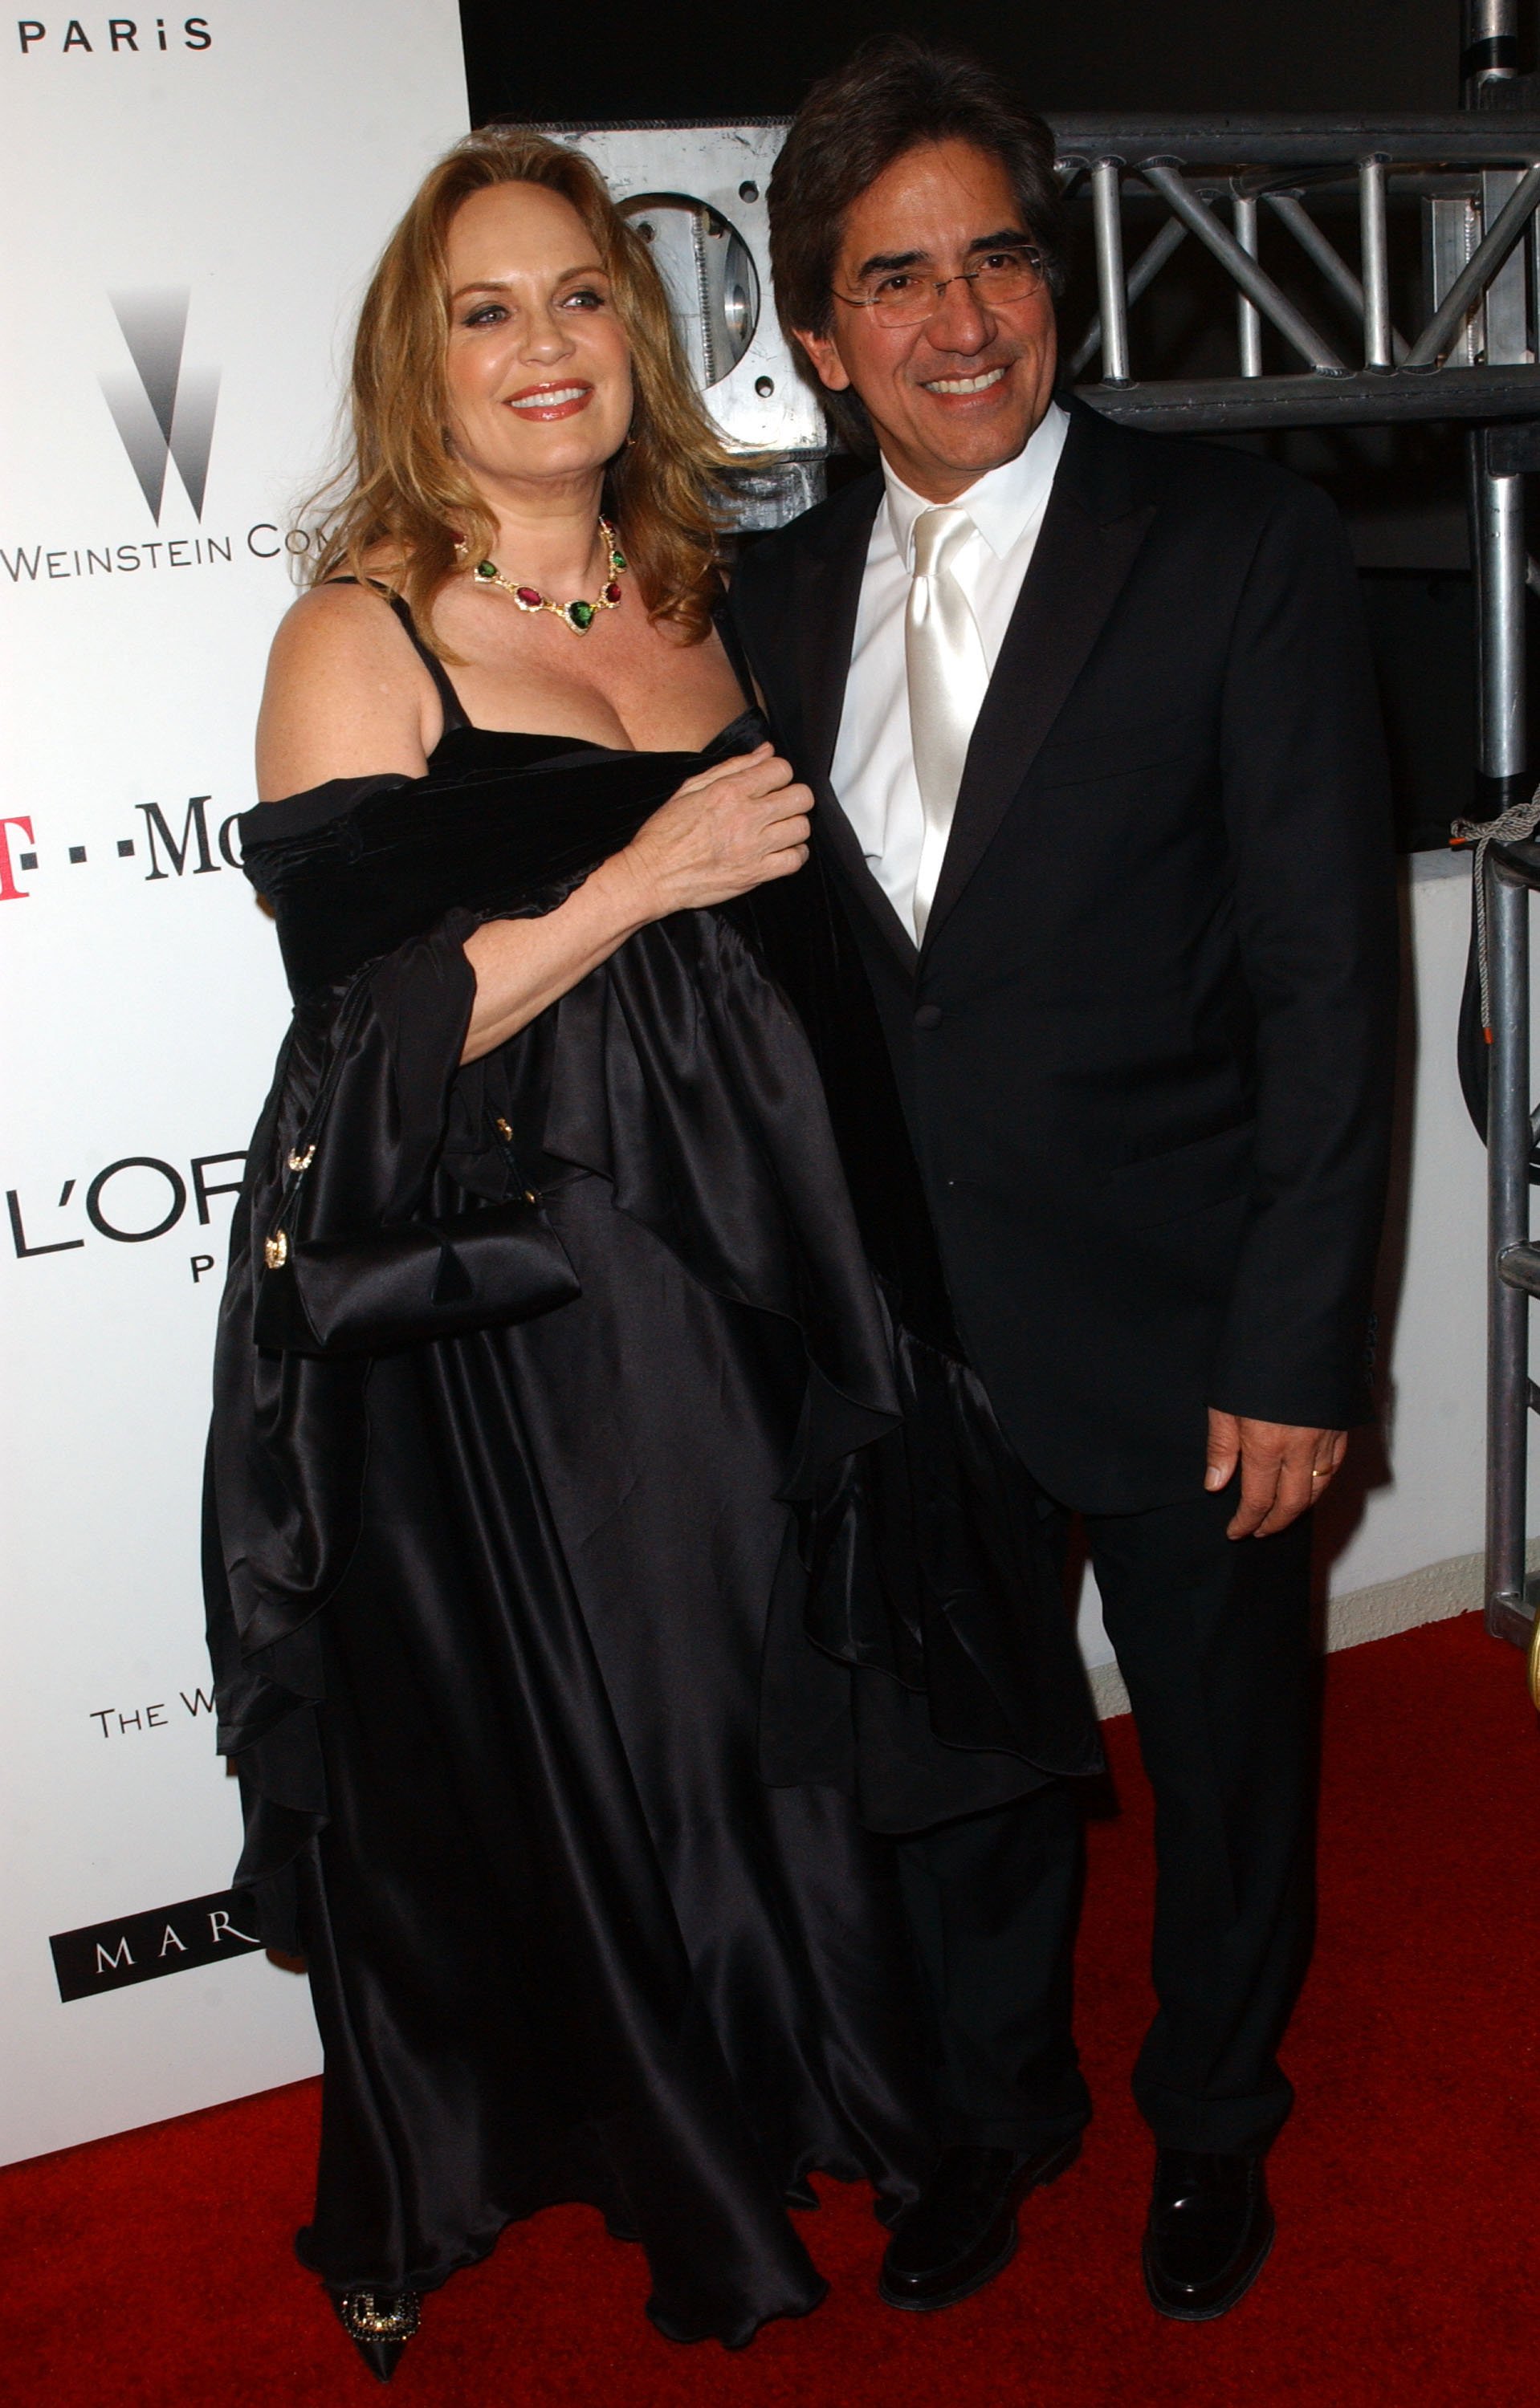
1145,1049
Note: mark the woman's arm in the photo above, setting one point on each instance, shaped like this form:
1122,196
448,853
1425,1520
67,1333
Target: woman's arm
347,699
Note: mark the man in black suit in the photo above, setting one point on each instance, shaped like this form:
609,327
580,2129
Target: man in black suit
1089,722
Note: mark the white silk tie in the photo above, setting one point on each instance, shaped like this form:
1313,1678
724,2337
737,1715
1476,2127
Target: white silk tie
948,676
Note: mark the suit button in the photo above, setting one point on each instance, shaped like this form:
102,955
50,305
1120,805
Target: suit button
928,1016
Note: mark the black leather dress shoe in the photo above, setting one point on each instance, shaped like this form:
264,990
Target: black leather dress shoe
1209,2232
959,2234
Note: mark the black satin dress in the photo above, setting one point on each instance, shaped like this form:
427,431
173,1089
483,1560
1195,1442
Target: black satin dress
574,1669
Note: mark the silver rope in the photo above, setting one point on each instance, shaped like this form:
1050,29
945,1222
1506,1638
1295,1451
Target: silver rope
1515,826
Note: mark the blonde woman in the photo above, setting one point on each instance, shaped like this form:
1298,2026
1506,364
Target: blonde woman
554,1653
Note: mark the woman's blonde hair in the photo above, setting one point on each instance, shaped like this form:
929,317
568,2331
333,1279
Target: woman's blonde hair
401,498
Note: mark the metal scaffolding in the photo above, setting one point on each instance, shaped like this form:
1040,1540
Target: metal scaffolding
1445,224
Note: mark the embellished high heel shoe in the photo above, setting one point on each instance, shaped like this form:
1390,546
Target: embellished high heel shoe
381,2323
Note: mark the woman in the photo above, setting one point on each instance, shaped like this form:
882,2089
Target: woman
515,1629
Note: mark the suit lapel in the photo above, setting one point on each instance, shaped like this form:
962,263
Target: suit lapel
826,592
1091,533
833,832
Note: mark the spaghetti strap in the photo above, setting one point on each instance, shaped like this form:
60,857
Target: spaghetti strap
455,711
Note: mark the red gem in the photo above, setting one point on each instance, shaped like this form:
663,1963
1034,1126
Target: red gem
529,595
611,593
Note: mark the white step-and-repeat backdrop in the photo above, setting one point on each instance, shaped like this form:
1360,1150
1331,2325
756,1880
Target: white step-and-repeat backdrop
192,206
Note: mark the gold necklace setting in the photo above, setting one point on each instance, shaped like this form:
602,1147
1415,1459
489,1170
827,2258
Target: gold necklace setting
581,615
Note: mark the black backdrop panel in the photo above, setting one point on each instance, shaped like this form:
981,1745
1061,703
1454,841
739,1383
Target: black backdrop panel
624,59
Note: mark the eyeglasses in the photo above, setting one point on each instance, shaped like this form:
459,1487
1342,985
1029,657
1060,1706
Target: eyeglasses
901,299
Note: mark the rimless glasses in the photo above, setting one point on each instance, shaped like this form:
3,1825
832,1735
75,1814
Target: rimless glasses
899,296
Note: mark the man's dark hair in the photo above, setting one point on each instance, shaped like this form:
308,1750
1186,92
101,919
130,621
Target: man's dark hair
892,95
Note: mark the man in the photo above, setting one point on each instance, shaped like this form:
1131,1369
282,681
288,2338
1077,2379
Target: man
1089,723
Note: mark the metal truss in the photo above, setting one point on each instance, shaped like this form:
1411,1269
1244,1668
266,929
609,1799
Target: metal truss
1476,181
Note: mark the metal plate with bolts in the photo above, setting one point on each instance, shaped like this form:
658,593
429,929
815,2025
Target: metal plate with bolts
698,190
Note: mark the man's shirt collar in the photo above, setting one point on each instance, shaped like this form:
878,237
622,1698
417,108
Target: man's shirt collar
1004,503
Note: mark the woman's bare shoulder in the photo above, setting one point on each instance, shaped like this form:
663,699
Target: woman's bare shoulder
334,626
346,696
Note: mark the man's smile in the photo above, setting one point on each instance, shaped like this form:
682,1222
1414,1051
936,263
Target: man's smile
980,382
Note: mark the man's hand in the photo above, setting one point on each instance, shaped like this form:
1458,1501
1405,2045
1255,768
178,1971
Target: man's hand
1283,1469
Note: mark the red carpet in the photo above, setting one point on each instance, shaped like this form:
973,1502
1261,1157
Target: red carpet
154,2267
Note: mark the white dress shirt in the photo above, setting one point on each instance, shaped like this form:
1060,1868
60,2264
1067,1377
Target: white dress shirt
873,769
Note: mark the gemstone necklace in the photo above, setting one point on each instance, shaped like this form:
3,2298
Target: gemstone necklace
578,616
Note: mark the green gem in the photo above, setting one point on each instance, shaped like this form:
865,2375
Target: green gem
618,560
487,569
579,615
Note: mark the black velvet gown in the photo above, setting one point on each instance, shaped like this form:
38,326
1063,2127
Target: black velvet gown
575,1670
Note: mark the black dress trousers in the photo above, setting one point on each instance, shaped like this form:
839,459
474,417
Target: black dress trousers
1212,1637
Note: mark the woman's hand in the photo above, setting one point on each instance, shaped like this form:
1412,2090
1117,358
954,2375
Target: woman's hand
731,828
726,831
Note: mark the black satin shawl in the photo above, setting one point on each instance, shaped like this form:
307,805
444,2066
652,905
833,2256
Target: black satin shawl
683,1072
359,866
